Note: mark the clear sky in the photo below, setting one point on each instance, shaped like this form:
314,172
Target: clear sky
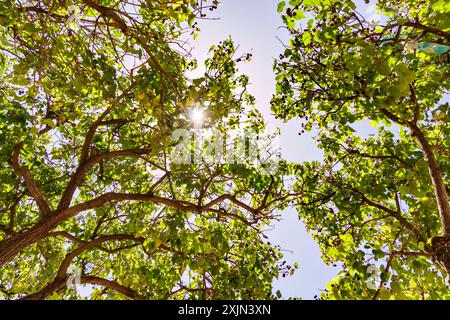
254,25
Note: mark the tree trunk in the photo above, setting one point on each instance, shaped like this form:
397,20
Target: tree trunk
441,252
436,178
440,245
12,246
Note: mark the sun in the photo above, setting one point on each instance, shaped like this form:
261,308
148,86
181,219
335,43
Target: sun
197,115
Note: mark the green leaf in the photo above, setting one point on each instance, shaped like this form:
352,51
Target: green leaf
50,123
306,38
406,76
278,294
311,3
281,6
299,14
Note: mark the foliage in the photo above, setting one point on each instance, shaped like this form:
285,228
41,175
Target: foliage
90,95
378,199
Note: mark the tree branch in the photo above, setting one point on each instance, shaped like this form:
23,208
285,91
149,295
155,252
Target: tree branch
436,177
391,212
113,285
120,23
61,278
32,186
10,247
233,200
428,29
434,169
84,168
410,253
393,117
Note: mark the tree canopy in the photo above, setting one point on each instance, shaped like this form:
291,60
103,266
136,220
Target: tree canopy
378,201
108,150
91,93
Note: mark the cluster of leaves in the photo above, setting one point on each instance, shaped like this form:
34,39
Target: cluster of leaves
90,95
377,199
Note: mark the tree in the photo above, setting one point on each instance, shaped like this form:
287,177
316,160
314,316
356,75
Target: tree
379,201
91,93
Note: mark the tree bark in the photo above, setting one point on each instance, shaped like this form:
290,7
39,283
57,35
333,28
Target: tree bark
441,252
10,247
440,245
62,277
434,169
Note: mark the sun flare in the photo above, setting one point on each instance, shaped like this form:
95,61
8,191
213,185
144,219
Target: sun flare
197,115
